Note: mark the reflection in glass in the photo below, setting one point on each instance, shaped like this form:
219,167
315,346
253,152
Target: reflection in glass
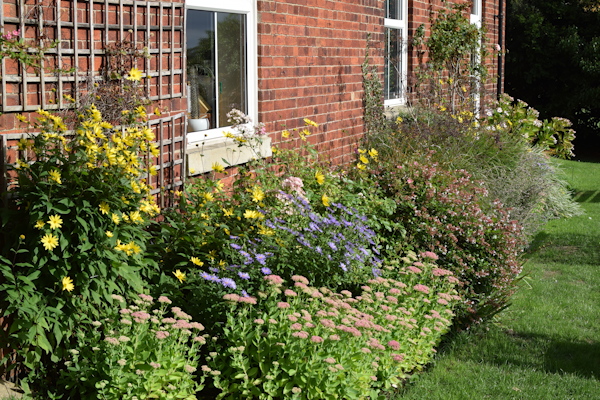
393,64
393,9
216,66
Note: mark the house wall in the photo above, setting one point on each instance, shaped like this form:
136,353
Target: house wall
309,66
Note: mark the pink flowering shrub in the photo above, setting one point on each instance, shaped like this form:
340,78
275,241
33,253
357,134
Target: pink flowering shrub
297,341
136,350
450,214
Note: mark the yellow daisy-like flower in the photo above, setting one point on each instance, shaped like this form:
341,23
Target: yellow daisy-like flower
361,151
219,185
134,74
157,111
222,263
49,241
363,159
252,214
218,167
39,224
136,217
326,200
67,284
104,208
228,212
179,275
208,196
55,176
399,120
265,231
115,218
22,118
285,134
360,166
196,261
308,122
109,234
374,154
257,194
192,171
320,177
55,221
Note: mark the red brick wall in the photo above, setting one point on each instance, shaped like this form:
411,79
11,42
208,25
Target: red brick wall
309,66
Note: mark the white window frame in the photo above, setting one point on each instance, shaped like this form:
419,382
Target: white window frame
248,8
403,26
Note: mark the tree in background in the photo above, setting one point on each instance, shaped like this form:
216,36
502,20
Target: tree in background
553,59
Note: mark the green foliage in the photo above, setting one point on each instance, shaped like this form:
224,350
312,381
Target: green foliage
74,233
302,342
373,97
134,351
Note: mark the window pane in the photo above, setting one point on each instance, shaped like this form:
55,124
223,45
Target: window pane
201,72
393,9
231,50
393,64
475,7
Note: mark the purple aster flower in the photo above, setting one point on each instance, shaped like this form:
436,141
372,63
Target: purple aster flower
265,271
319,250
210,277
303,242
376,272
228,283
332,245
261,258
235,246
213,269
245,294
343,267
244,275
233,237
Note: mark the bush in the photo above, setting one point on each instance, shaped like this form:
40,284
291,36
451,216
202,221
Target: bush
74,234
302,342
135,351
448,213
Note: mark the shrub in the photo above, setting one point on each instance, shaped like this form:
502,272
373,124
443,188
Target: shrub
302,342
135,351
74,233
448,213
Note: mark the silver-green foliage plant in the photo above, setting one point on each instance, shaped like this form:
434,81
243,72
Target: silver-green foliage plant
136,350
303,342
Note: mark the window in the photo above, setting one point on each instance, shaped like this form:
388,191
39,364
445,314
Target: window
221,64
476,16
395,69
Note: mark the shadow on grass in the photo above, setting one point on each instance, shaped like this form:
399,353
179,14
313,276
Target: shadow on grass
557,356
567,248
588,196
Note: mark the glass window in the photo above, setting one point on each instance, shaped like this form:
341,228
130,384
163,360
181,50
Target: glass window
395,68
216,65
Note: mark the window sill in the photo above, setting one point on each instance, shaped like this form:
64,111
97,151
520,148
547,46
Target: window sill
202,155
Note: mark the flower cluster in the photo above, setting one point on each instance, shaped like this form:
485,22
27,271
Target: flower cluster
138,350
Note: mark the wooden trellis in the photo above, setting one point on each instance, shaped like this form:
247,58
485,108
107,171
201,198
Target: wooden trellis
82,30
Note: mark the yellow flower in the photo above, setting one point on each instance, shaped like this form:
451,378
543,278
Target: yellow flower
192,171
399,120
49,241
308,122
21,118
196,261
115,218
374,154
135,217
219,185
222,263
208,196
363,159
104,208
109,234
360,166
285,134
265,231
320,177
67,284
361,151
22,237
218,167
134,74
325,199
179,275
39,224
55,221
228,212
257,194
55,176
156,111
252,214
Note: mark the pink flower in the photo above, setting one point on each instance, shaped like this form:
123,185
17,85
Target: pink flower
292,318
259,321
200,339
442,302
169,320
231,297
330,360
289,292
441,272
164,299
327,323
283,304
111,340
421,288
197,325
155,365
301,334
414,269
394,345
146,297
296,327
140,316
316,339
162,335
126,321
299,278
247,300
125,311
275,280
334,337
430,255
189,369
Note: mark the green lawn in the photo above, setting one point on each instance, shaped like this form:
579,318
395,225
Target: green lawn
547,344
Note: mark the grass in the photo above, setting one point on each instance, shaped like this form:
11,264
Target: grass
547,344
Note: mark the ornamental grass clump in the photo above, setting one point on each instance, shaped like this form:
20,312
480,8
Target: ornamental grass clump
138,350
304,342
73,232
